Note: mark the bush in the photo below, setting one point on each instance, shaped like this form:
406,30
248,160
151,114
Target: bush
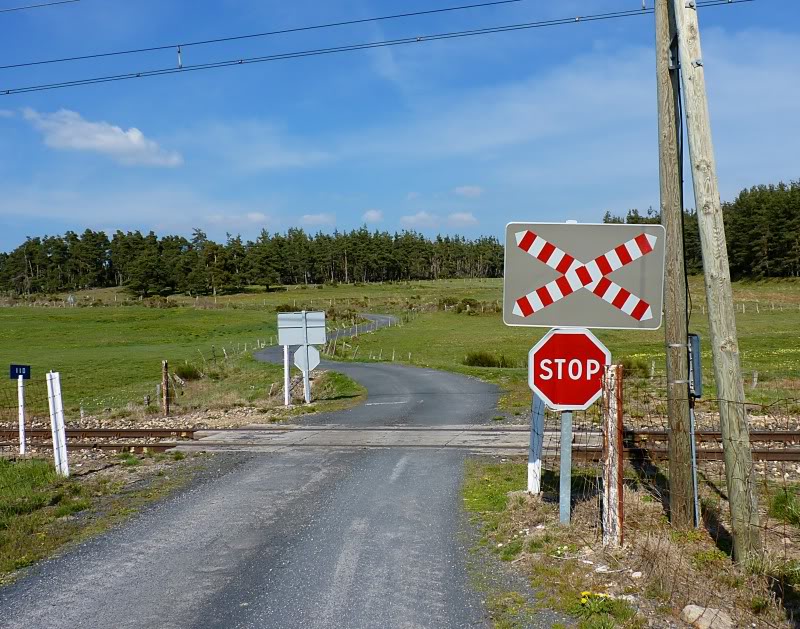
635,367
284,308
785,506
158,301
187,371
468,305
447,302
485,359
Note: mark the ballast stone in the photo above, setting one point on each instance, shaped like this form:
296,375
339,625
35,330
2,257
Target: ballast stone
706,618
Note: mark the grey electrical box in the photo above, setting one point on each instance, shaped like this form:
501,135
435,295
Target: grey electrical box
695,367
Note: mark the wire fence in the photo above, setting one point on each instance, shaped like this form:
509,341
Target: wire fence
679,567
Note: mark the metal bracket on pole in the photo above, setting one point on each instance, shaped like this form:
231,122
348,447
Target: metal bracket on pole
565,485
535,449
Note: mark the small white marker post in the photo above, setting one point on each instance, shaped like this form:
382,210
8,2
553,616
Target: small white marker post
21,396
286,383
535,449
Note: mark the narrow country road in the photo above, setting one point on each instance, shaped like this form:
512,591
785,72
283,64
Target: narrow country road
327,538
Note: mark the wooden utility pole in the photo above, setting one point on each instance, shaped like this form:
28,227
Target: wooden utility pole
681,503
722,319
165,388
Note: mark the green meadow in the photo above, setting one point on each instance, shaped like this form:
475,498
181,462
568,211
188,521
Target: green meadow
109,347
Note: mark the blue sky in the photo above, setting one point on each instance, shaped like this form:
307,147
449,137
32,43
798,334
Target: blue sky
458,136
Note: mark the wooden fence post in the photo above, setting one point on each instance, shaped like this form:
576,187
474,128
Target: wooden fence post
613,457
165,388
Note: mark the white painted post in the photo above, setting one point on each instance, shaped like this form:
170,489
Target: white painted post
286,395
612,457
535,448
21,396
307,370
60,424
52,406
57,423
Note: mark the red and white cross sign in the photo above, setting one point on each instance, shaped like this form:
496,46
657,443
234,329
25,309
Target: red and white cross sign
577,275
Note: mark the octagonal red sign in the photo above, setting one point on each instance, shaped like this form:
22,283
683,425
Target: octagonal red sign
565,368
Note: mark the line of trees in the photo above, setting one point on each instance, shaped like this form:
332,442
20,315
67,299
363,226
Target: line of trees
762,227
149,265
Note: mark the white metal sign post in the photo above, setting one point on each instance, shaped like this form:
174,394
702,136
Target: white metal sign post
286,380
303,329
21,395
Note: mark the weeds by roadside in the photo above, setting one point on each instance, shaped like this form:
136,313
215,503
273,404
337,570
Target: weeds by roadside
658,572
41,512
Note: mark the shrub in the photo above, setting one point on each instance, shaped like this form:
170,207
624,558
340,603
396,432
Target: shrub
468,305
447,302
485,359
187,371
284,308
785,506
635,367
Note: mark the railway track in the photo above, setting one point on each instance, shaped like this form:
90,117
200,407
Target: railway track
641,444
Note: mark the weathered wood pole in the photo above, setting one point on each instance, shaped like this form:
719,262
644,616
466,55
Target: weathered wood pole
722,319
676,331
613,457
165,388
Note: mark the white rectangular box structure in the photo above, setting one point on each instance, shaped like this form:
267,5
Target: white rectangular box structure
301,328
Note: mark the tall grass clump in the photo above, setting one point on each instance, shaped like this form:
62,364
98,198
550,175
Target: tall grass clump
486,359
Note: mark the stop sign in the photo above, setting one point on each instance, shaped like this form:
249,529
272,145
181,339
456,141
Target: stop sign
565,368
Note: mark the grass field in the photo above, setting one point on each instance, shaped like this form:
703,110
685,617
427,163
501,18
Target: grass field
108,356
111,354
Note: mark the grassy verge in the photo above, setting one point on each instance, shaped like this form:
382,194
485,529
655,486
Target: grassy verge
508,523
41,512
655,575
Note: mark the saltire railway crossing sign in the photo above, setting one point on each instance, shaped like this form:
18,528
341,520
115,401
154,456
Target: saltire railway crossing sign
572,277
582,275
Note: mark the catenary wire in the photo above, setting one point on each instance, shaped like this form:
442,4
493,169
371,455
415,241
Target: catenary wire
38,6
298,29
347,48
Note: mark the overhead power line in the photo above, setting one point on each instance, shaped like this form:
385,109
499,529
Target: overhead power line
285,31
38,6
351,47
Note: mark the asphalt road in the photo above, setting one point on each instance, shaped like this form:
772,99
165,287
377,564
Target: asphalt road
300,538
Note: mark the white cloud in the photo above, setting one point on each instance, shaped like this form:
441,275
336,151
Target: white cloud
372,216
462,219
318,219
252,146
420,220
67,130
237,220
256,217
469,192
6,113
